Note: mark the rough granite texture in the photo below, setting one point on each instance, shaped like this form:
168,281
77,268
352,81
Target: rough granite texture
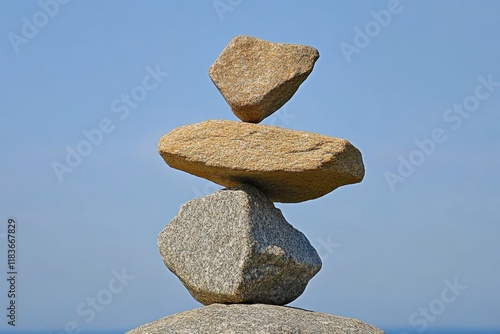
234,246
257,77
254,319
289,166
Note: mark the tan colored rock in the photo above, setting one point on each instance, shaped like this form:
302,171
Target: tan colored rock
288,166
257,77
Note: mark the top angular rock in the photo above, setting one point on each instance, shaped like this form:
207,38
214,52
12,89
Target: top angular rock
257,77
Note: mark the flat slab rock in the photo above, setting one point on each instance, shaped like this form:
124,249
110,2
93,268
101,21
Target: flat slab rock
234,246
254,319
257,77
288,166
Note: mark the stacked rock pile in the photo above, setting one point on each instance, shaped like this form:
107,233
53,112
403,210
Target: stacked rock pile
233,250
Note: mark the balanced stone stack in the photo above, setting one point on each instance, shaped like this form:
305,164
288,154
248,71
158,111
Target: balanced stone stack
233,250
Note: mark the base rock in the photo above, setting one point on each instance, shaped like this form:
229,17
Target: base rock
254,319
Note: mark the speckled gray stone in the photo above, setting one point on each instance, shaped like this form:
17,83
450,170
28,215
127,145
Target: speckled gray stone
257,77
254,319
234,246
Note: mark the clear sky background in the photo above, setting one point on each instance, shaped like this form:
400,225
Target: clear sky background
426,216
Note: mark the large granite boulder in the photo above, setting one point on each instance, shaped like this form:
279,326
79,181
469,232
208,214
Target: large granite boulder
234,246
257,77
287,165
254,319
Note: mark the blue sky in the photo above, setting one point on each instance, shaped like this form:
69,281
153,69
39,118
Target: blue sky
415,85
